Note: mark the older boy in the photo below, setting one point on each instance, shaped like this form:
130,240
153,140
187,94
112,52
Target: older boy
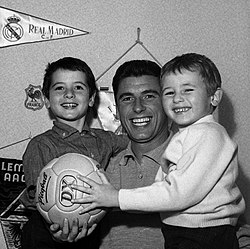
69,89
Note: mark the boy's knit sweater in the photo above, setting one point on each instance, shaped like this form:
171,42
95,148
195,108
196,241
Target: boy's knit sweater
197,188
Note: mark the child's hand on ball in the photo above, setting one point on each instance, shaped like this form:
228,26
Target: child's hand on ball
98,195
67,234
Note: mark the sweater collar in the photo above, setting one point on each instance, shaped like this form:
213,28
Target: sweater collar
208,118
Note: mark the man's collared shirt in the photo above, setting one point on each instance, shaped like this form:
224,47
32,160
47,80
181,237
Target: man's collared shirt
125,230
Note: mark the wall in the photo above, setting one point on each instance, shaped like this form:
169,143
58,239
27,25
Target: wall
216,28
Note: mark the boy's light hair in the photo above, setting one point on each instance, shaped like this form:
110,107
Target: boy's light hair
195,63
72,64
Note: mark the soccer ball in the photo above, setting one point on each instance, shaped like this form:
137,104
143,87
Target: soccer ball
54,192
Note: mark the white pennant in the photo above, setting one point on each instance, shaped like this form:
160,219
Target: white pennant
19,28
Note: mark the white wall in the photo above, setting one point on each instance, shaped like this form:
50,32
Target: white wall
216,28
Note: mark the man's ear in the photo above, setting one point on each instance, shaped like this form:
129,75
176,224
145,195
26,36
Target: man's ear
92,100
47,103
216,98
117,115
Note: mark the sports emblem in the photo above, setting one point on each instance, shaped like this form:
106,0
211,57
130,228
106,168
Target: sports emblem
12,31
21,28
34,98
66,191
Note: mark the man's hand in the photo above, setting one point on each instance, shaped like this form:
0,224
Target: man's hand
98,195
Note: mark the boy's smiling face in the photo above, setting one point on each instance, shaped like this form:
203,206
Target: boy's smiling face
185,98
69,96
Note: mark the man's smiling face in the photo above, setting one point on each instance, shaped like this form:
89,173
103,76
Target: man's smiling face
140,109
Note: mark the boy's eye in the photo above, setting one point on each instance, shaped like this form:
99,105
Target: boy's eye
79,87
59,88
168,93
188,90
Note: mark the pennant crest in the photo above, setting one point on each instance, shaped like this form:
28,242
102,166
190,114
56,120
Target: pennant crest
34,98
19,28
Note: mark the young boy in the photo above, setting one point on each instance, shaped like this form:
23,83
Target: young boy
195,189
69,89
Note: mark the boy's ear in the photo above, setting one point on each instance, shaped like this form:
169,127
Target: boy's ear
47,103
92,100
216,98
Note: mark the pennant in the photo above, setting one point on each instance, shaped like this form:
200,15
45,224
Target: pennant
11,181
19,28
107,110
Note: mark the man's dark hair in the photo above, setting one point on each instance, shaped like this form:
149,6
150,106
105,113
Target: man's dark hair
134,68
72,64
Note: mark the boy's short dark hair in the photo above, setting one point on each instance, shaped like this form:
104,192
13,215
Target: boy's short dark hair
72,64
134,68
195,63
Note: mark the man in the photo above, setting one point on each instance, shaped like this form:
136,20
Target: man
136,86
137,93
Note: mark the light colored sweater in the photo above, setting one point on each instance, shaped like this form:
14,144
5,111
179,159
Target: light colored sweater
198,188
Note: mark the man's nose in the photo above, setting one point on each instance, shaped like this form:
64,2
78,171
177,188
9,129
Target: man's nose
139,106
